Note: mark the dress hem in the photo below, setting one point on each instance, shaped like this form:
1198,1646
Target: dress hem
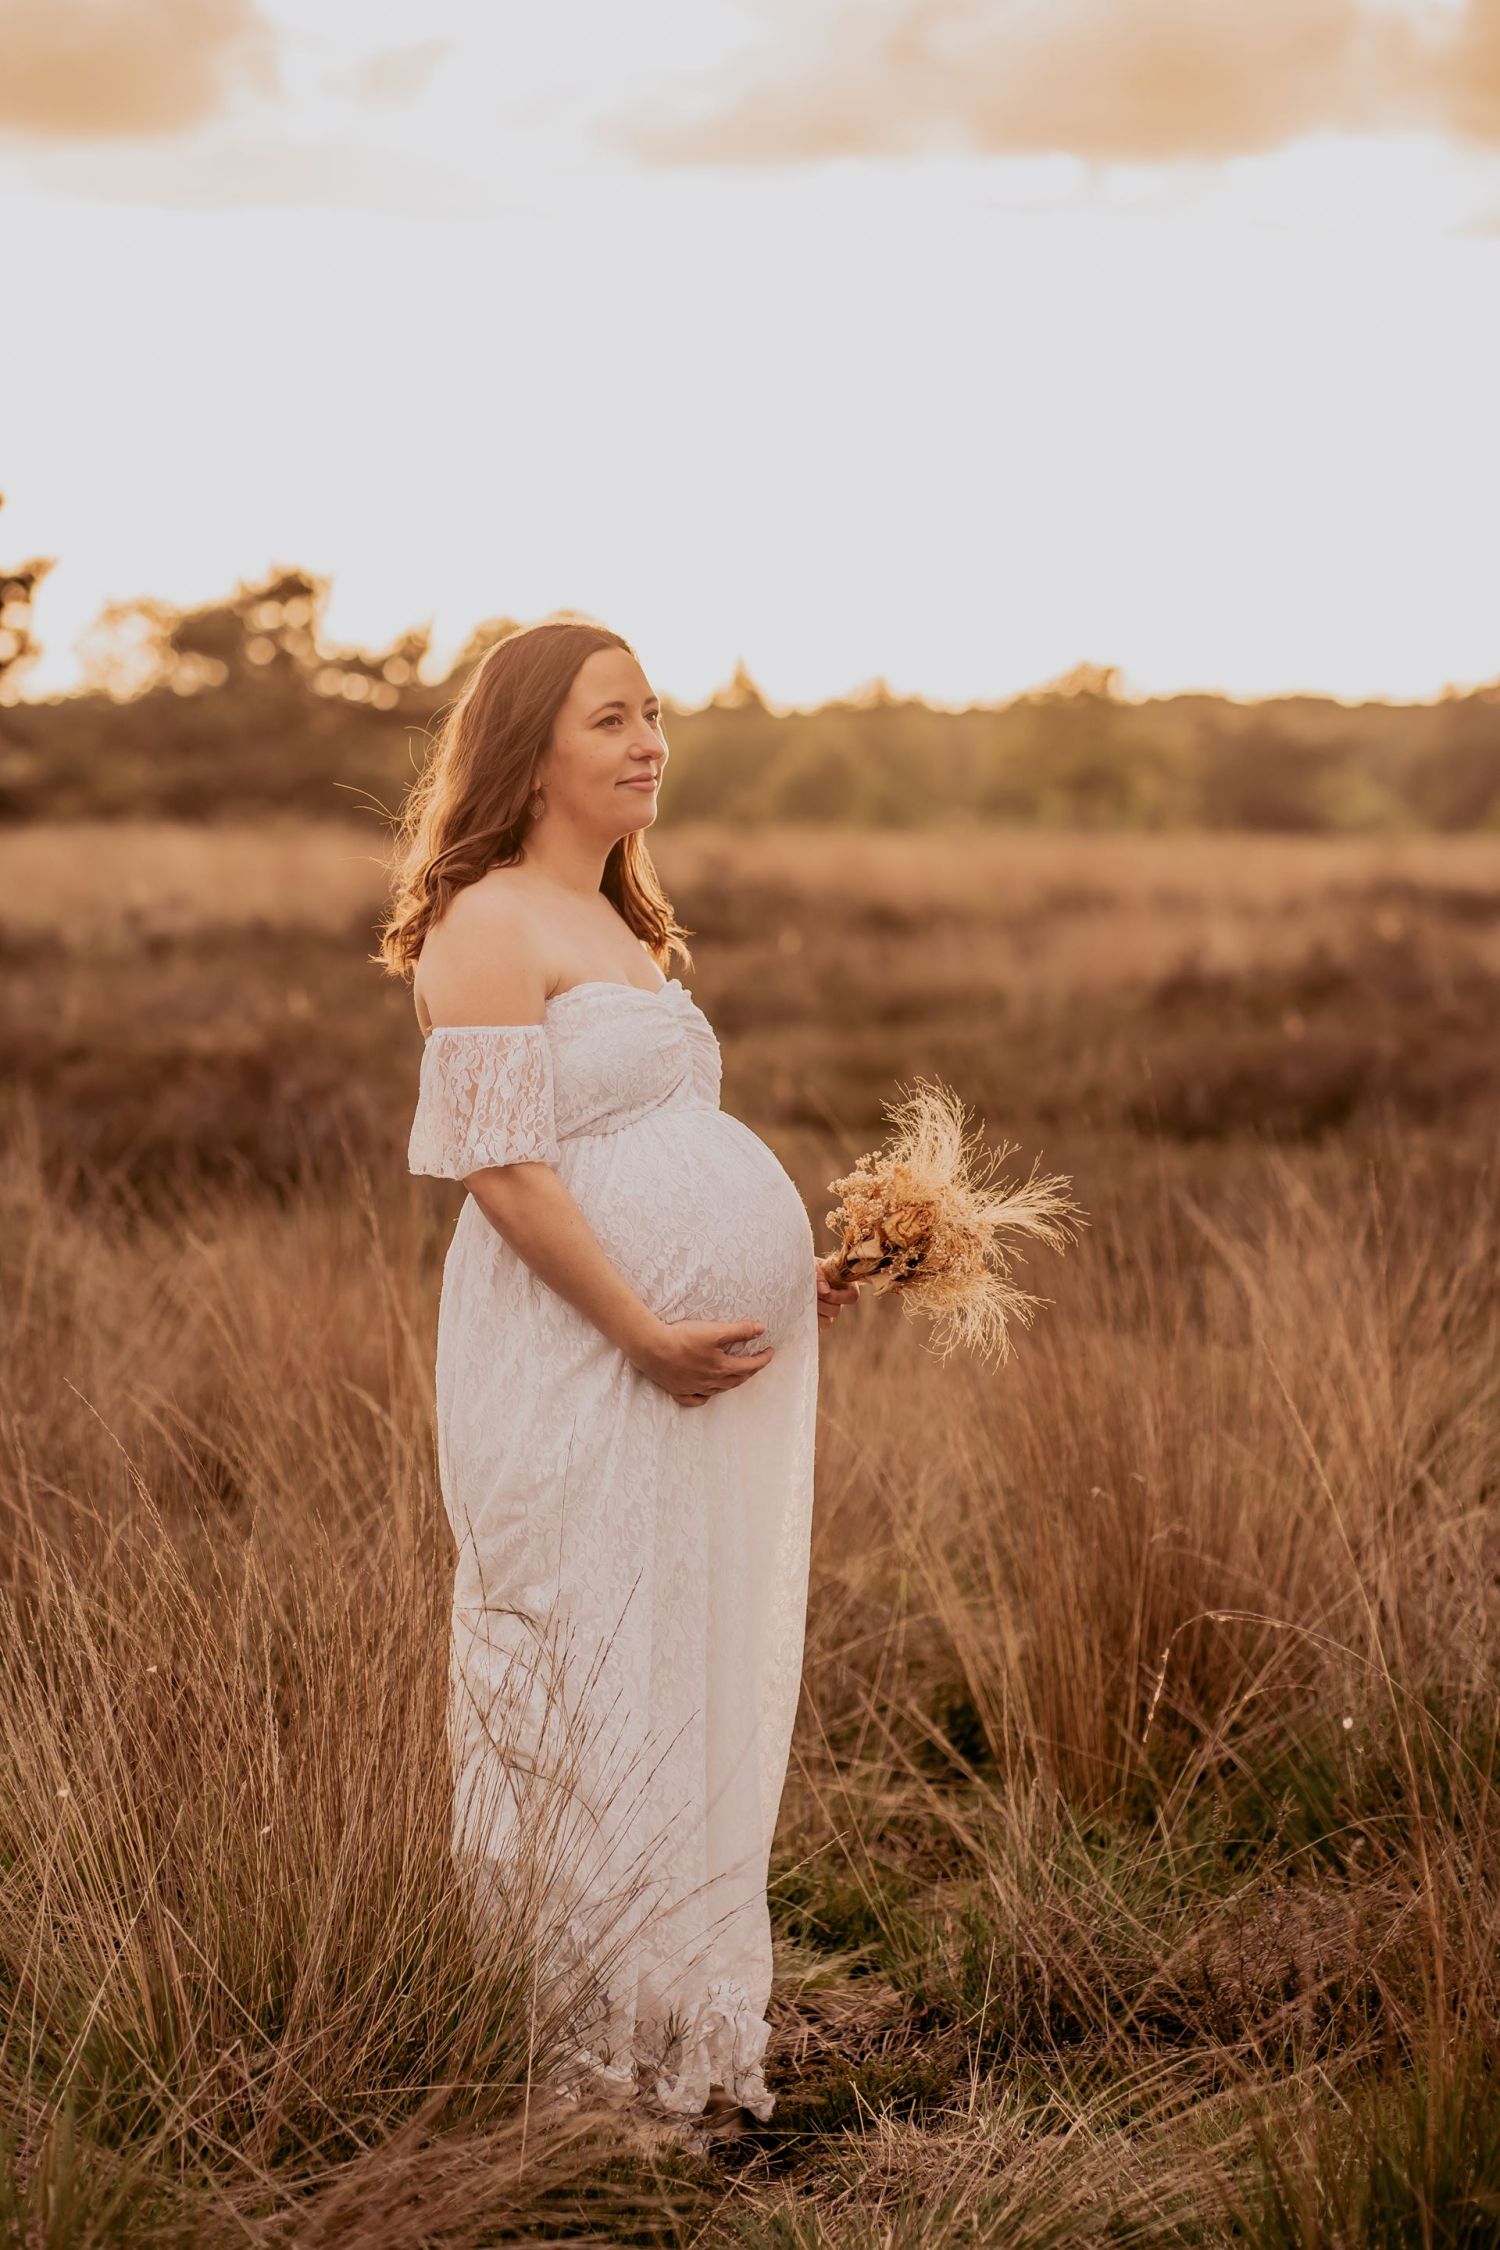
722,2046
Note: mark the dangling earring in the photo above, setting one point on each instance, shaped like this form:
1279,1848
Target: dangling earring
537,804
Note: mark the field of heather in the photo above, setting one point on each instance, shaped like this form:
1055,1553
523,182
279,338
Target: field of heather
1138,1874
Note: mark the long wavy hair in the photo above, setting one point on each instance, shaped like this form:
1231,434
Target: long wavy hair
469,808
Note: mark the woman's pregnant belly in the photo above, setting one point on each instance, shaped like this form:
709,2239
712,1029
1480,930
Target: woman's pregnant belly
700,1217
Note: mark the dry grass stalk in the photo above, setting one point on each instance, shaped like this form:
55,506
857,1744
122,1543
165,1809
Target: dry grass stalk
921,1216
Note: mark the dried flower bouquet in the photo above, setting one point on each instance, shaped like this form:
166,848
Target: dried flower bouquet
921,1216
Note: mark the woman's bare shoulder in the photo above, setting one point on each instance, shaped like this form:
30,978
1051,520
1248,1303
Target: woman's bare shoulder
486,951
498,891
490,906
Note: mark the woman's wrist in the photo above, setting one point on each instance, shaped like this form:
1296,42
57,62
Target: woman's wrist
640,1334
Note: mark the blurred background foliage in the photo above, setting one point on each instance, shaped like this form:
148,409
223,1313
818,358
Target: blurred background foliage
243,705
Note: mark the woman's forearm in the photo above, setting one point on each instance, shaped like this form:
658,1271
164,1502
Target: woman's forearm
531,1208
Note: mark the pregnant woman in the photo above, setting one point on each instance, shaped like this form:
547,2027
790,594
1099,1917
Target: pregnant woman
627,1361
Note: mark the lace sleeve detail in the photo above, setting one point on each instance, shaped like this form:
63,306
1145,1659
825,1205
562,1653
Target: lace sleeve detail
485,1098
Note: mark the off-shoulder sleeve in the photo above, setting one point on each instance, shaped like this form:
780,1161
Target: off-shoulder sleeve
485,1098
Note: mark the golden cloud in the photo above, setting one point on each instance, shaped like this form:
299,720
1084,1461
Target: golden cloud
1472,75
1111,80
92,69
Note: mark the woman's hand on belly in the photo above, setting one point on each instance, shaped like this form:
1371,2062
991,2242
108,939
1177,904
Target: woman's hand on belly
687,1358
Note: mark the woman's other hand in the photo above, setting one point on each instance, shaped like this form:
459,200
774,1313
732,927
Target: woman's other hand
831,1301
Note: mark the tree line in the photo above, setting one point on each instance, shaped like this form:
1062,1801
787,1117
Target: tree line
243,705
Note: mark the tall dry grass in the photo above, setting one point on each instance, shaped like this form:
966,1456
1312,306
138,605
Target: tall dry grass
242,1999
1137,1878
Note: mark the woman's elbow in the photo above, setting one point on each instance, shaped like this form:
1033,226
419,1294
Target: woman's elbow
500,1189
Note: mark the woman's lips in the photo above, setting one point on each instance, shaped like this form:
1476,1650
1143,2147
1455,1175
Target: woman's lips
647,782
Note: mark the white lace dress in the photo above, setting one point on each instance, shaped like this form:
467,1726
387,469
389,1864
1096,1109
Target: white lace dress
631,1582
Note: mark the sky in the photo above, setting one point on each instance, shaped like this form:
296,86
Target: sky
946,342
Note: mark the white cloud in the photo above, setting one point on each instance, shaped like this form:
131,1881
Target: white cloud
393,74
264,169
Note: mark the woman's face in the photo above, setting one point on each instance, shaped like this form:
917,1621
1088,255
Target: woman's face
606,739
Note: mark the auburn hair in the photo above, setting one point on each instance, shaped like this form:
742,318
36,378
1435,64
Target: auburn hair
469,808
